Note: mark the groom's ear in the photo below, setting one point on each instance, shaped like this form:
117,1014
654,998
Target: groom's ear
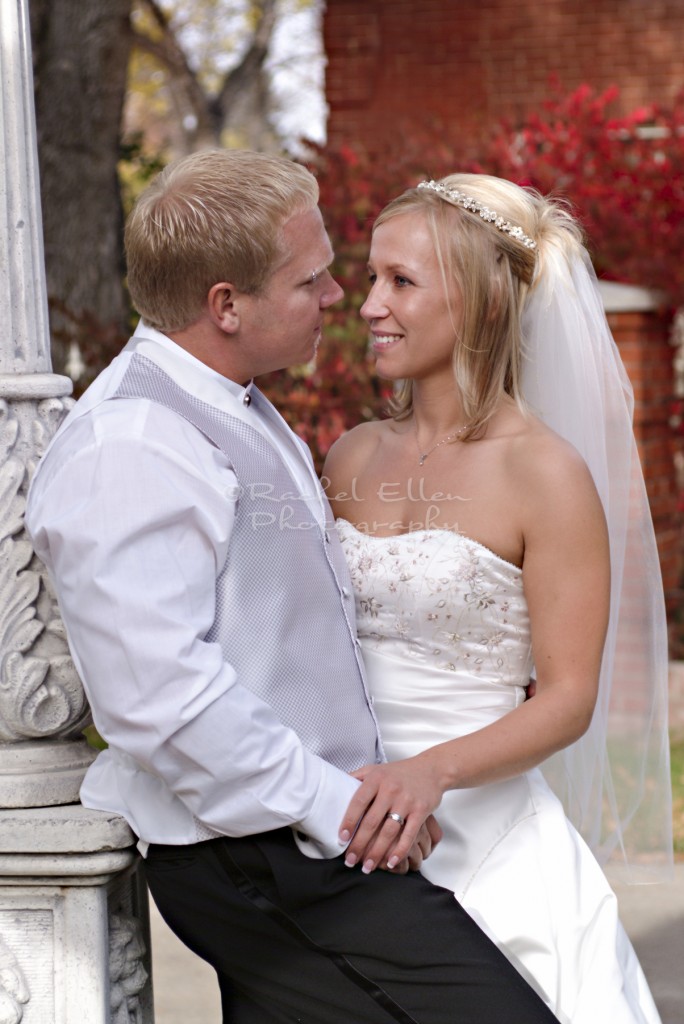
223,307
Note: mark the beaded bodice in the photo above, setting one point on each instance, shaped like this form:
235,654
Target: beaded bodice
439,598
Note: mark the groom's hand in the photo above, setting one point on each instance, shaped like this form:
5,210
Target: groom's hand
429,835
406,790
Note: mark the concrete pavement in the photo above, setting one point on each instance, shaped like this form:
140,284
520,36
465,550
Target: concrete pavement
653,916
185,990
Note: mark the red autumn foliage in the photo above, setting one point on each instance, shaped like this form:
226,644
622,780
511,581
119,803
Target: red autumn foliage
624,177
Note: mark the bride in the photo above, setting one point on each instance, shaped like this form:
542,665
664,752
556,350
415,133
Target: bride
491,527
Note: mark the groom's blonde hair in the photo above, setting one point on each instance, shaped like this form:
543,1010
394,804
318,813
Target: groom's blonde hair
213,216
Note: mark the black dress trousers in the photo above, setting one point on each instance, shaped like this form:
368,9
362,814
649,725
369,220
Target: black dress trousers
294,939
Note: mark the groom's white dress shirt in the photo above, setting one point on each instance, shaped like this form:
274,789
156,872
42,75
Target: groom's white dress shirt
147,523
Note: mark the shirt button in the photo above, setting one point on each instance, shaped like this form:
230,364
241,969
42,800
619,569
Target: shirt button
345,592
247,399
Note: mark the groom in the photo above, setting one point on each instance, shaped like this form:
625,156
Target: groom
210,616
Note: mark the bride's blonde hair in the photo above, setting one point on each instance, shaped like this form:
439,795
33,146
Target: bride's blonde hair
492,270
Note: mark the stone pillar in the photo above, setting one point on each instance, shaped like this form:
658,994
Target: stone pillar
74,928
42,705
73,916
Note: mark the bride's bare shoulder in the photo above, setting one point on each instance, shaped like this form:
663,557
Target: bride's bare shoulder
545,465
354,447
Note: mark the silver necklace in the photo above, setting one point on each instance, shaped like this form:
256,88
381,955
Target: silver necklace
450,437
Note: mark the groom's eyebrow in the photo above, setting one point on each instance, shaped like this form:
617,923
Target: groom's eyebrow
320,270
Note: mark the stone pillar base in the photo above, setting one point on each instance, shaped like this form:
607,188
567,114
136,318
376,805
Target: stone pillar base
74,938
42,773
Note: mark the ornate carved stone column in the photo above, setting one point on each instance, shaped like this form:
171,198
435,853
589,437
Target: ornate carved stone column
42,705
74,935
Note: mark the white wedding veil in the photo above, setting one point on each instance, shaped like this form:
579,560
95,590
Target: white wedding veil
614,782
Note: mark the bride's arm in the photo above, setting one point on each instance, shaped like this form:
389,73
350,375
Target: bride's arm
566,579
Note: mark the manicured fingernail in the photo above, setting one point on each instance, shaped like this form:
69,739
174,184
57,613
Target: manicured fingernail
350,860
368,867
392,862
345,835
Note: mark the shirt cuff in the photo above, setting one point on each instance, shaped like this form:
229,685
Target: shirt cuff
317,835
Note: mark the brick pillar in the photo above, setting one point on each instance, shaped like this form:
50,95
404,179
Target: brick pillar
642,332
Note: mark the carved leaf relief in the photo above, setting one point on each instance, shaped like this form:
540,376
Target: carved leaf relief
49,415
40,692
127,976
9,430
14,992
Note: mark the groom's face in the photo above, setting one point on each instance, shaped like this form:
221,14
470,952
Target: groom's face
285,320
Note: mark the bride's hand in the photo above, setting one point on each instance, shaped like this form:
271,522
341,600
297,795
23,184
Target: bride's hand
409,789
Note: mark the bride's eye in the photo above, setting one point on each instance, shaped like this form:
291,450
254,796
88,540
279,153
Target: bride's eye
401,281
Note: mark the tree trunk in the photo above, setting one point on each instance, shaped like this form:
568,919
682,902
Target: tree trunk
244,105
80,57
240,114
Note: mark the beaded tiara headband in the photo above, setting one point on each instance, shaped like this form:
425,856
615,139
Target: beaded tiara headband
475,206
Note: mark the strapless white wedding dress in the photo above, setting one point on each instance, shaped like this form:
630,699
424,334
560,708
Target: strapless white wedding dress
446,641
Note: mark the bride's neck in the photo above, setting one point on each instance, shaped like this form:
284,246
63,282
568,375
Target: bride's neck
436,409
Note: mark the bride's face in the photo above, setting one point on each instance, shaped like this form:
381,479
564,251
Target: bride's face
412,327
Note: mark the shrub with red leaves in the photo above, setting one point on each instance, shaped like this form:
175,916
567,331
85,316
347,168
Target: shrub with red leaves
623,176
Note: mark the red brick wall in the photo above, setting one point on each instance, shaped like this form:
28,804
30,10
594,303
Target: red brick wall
394,64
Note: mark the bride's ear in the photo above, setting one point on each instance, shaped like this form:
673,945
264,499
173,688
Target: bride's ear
223,307
496,291
504,282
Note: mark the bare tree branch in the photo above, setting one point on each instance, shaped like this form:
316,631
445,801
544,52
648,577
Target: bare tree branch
244,93
167,51
250,68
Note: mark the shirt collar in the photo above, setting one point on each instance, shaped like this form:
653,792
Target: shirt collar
207,384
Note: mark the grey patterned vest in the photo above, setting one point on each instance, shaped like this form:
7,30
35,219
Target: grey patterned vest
284,603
